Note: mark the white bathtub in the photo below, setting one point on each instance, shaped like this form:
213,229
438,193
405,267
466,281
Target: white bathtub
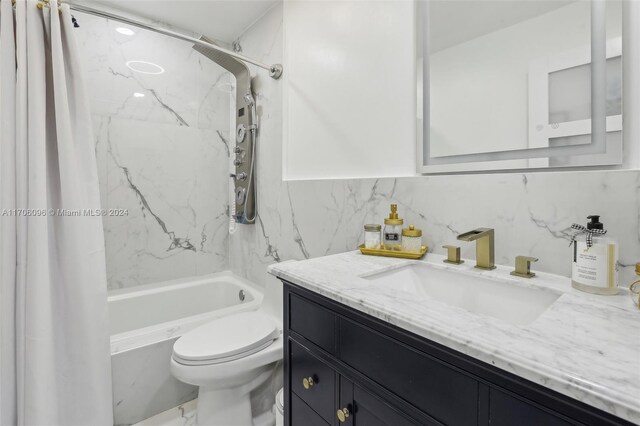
146,320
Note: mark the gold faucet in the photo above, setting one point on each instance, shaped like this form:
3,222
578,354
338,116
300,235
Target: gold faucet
453,255
485,251
523,267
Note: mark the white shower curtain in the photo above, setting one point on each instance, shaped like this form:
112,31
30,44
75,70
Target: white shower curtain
54,347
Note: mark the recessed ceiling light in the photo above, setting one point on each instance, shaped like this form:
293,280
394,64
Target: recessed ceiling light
138,95
145,67
125,31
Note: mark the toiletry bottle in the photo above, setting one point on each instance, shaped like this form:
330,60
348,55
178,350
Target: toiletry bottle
412,239
594,266
392,235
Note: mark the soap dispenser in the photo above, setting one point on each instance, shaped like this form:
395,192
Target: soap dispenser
595,259
393,230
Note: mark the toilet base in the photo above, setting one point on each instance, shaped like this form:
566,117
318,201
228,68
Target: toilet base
223,407
227,407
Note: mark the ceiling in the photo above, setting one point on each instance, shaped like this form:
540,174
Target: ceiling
221,20
451,21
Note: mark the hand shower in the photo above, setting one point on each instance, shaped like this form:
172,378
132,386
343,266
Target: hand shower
253,129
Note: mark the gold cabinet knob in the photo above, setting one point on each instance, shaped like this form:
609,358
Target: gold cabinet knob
307,382
343,414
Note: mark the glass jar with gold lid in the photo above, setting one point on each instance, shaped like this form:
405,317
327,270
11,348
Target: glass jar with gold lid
372,236
412,239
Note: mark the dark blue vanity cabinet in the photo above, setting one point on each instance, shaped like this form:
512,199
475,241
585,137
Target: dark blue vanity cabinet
343,367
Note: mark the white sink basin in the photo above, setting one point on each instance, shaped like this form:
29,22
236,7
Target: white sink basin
505,299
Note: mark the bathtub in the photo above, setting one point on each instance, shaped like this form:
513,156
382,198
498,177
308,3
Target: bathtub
146,320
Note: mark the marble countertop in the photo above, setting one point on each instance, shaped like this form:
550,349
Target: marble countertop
583,346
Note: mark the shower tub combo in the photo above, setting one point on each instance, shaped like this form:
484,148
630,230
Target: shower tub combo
146,320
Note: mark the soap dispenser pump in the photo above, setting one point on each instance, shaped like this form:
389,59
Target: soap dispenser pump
393,230
595,259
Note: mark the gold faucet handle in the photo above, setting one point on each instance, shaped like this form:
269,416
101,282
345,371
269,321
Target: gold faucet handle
523,267
453,255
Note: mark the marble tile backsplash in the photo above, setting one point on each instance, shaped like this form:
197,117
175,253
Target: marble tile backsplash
530,212
162,147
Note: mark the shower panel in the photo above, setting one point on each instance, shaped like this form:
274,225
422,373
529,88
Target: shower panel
245,134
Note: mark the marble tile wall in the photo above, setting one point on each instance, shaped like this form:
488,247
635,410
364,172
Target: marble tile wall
162,157
530,212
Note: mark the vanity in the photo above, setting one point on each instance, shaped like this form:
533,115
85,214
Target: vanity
378,341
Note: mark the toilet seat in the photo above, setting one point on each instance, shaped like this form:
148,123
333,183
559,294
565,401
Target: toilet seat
226,339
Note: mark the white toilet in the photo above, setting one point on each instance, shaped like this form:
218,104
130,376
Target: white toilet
229,357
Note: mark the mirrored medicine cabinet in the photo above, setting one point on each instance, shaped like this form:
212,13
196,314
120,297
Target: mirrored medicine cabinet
519,84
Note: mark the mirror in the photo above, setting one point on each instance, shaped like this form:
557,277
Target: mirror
512,84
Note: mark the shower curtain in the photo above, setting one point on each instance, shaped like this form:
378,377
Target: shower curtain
54,347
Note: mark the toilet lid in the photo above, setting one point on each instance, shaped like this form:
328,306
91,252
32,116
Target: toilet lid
227,337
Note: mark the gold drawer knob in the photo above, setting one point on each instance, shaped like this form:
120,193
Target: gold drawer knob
308,382
343,414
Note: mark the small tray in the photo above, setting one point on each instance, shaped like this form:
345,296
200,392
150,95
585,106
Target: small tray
393,253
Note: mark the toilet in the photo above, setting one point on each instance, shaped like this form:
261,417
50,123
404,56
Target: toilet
229,357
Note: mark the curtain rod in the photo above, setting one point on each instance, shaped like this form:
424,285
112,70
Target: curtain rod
275,70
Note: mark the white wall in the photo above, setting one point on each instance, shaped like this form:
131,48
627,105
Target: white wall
349,89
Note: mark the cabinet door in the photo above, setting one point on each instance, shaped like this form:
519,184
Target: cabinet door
366,409
313,381
302,414
506,410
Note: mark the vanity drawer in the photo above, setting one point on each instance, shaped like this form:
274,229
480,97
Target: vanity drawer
432,386
506,410
370,410
302,414
312,322
320,394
